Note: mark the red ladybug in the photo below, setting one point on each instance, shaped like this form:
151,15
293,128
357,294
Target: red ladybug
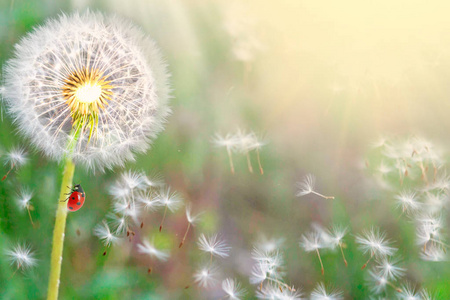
76,198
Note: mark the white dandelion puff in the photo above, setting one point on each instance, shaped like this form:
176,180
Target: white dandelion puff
408,202
15,158
206,276
21,256
274,292
96,73
388,268
24,201
373,241
409,292
148,248
213,245
103,232
323,293
307,187
233,289
149,200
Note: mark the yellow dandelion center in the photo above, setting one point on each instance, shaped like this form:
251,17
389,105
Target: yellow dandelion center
86,91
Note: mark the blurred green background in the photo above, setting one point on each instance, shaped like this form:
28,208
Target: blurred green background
320,80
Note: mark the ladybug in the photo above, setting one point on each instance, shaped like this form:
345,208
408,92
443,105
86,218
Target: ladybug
76,198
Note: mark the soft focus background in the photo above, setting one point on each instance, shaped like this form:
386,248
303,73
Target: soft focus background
320,80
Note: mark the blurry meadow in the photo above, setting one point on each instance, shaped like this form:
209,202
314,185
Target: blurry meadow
356,93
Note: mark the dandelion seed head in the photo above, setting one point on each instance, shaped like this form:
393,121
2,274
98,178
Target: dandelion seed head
311,241
407,201
192,219
24,197
306,186
377,282
322,293
409,292
169,198
149,200
229,141
103,232
95,72
16,157
373,241
206,276
389,269
21,256
147,247
213,245
233,289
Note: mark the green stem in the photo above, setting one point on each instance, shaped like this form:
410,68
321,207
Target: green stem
60,222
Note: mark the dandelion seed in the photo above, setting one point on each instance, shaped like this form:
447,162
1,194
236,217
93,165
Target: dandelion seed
230,142
312,242
378,282
374,242
148,248
409,292
149,200
118,223
322,293
388,268
206,276
434,253
15,158
95,73
170,200
21,256
213,245
24,201
246,142
192,220
271,292
103,232
407,201
307,187
335,239
256,145
233,289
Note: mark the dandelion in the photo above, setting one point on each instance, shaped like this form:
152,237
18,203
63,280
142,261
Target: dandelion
256,144
271,292
246,142
322,293
307,187
192,220
148,248
21,256
24,200
233,289
378,282
149,200
374,242
407,201
15,158
103,232
206,276
334,237
97,74
313,242
86,89
213,245
119,223
230,142
170,200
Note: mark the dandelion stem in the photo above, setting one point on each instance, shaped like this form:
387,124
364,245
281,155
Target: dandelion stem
259,162
29,214
321,264
323,196
14,273
162,221
249,164
367,262
6,175
60,222
231,160
185,234
343,256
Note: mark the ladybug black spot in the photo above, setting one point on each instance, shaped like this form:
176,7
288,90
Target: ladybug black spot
73,198
78,203
70,207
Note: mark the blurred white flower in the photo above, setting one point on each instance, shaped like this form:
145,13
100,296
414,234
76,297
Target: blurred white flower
233,289
213,245
21,256
322,293
148,248
96,73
